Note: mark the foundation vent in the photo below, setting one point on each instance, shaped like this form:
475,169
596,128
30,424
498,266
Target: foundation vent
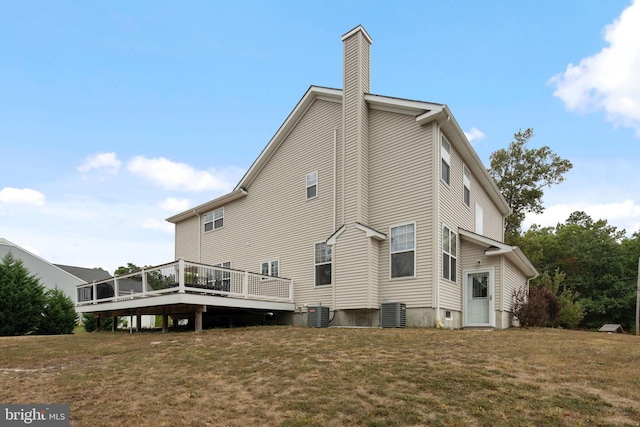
393,315
318,316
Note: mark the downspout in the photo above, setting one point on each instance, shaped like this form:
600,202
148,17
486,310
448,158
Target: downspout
436,283
199,235
335,178
335,216
344,158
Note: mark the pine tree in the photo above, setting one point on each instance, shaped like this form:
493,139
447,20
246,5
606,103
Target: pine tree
21,298
59,314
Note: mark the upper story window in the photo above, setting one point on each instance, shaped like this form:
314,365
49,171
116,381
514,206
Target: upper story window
449,254
312,185
403,254
214,219
323,263
466,185
446,160
270,268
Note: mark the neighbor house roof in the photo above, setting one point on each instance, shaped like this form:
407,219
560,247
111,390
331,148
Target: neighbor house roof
86,274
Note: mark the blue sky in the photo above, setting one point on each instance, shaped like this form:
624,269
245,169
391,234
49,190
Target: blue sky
117,115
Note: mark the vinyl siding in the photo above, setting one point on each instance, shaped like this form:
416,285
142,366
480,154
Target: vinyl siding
355,127
351,255
513,280
472,253
187,239
400,168
454,213
275,220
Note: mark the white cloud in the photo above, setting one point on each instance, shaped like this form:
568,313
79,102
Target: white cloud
474,134
174,205
25,196
158,225
609,79
624,214
174,175
101,161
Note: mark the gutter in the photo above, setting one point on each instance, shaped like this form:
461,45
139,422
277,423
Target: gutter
208,206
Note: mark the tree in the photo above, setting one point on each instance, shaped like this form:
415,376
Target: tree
59,314
600,265
521,174
21,298
130,268
154,278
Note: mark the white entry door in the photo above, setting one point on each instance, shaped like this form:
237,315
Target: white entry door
479,298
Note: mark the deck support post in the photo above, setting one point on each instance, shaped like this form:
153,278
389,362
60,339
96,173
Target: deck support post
198,322
114,324
138,322
97,319
165,322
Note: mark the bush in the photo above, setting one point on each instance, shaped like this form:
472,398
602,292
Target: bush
537,307
21,298
59,314
572,312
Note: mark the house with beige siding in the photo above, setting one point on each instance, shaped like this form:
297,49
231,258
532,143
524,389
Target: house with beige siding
361,199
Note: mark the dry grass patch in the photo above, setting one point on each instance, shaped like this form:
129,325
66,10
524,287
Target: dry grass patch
330,377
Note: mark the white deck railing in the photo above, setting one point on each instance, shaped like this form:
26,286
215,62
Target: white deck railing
186,277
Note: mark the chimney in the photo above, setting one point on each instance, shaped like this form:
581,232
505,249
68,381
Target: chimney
355,124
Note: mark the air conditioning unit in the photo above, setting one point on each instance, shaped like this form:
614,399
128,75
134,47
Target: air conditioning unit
318,316
393,315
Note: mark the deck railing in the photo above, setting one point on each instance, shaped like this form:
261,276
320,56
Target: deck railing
186,277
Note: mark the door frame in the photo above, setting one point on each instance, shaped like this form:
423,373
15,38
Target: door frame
490,295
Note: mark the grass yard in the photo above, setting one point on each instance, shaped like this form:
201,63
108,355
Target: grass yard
285,376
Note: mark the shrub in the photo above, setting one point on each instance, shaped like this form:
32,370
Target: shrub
572,312
21,298
59,314
537,307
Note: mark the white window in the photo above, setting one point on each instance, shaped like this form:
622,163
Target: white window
466,185
323,263
270,268
446,160
214,219
222,278
403,254
449,254
222,274
312,185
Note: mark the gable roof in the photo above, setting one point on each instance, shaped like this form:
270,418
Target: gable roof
424,113
493,247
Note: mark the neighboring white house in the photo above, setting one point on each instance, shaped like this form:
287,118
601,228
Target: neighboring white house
50,275
358,199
